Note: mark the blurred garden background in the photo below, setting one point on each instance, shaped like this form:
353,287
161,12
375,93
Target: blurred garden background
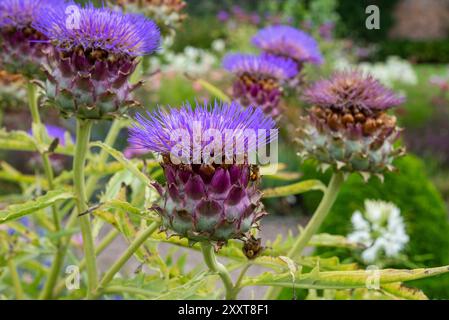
409,53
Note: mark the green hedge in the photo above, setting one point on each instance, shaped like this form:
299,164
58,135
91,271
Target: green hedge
423,209
431,51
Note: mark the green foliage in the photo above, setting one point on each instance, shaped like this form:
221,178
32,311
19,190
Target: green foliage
17,211
424,212
429,51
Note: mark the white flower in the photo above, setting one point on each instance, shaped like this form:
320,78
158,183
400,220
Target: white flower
218,45
380,228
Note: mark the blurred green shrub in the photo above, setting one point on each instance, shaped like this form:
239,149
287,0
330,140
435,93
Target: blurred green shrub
431,51
421,205
198,32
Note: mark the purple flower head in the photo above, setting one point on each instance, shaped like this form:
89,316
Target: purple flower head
352,89
161,130
93,28
223,16
266,66
288,42
22,13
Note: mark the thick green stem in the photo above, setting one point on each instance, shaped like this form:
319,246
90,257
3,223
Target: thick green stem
83,128
133,247
15,279
211,261
48,170
329,197
92,181
90,188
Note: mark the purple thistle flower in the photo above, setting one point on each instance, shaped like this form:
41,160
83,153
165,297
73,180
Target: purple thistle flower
93,57
347,127
155,132
259,79
352,89
288,42
205,201
21,44
264,66
223,16
100,29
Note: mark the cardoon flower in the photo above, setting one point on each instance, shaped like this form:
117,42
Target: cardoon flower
259,79
212,194
348,127
95,52
21,44
166,13
288,42
381,229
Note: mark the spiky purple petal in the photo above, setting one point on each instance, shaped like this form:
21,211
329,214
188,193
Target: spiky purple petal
22,13
289,42
352,89
153,132
99,29
264,65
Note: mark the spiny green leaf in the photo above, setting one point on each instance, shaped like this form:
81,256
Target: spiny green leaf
293,189
343,279
22,141
19,210
400,291
185,291
128,164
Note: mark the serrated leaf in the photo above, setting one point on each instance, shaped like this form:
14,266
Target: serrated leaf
187,290
343,279
114,184
22,141
19,210
128,164
294,189
399,290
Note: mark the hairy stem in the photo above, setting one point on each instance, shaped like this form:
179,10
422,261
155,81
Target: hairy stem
211,261
329,197
83,128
